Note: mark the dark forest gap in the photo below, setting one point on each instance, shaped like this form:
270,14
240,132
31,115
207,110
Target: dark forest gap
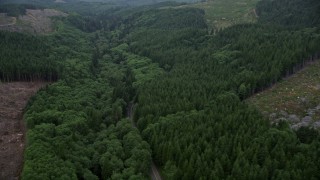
13,99
154,173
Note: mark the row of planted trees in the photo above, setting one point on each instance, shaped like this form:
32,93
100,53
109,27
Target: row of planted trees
27,58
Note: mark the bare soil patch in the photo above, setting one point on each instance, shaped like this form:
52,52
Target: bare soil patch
13,99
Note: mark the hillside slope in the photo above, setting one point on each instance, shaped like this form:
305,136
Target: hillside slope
295,99
34,21
188,89
221,14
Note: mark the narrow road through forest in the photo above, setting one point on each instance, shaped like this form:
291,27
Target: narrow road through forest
154,173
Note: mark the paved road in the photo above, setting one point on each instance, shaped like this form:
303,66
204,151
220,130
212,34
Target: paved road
154,173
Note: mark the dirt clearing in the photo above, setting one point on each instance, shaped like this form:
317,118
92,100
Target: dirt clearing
36,21
13,99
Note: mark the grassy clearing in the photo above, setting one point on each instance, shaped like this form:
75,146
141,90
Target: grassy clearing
224,13
294,95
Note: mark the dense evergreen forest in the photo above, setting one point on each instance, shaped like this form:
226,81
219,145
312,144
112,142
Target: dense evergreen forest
185,86
26,57
290,12
16,9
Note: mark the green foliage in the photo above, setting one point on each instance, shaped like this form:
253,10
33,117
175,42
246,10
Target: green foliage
143,68
18,4
170,170
169,19
142,2
221,14
16,9
85,8
77,133
26,57
190,111
307,135
290,12
192,116
76,128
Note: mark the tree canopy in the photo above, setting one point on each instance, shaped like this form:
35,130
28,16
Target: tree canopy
184,87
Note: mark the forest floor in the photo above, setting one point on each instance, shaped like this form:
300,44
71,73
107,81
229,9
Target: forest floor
295,99
35,21
13,99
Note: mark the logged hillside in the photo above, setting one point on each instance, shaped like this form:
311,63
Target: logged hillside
221,14
19,18
295,99
14,97
188,89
